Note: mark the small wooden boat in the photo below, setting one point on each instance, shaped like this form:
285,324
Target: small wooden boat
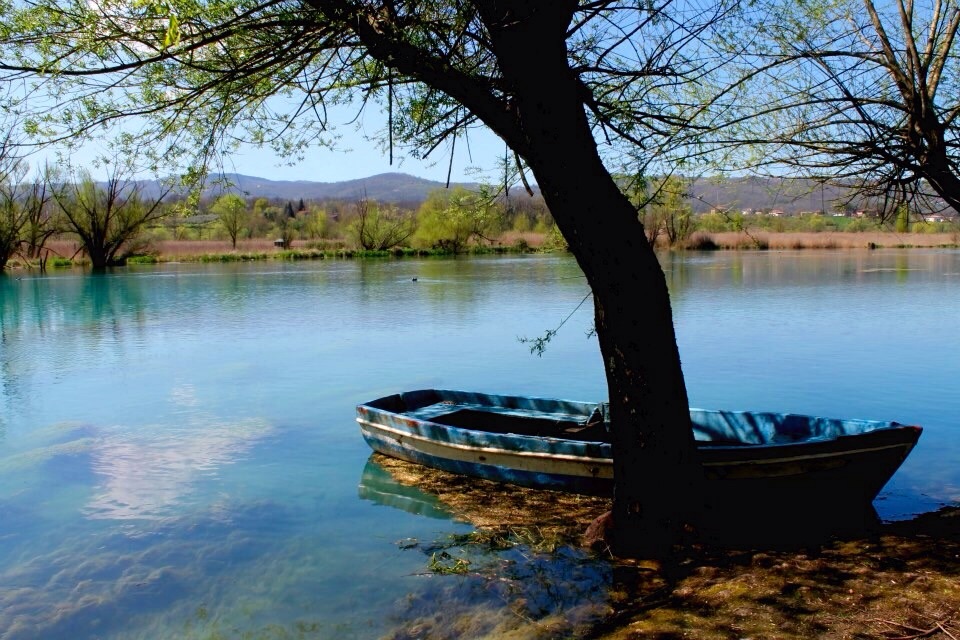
565,445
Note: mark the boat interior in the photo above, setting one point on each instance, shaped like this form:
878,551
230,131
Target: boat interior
544,427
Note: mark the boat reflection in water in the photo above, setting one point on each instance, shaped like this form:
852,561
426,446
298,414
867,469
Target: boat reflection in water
378,486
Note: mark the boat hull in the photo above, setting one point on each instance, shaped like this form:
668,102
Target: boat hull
491,437
578,474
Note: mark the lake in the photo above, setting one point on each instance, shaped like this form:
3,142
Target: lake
179,456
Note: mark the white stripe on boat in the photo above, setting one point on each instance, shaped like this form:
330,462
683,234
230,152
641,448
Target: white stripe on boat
533,460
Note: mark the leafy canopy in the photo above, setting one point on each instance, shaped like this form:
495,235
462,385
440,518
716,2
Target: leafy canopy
192,79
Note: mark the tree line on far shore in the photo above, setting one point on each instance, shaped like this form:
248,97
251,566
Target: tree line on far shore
110,222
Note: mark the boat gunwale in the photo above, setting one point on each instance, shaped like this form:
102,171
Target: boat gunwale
769,451
825,451
478,448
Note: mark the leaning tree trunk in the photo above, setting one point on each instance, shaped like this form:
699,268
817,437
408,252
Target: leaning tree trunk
652,440
537,108
656,475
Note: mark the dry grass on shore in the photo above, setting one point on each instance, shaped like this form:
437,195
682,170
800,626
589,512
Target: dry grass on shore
171,250
186,250
824,240
183,249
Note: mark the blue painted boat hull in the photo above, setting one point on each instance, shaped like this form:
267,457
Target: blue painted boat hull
564,445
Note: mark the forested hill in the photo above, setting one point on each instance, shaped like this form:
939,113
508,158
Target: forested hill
385,187
737,194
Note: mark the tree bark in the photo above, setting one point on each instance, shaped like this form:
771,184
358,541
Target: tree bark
937,167
537,107
656,473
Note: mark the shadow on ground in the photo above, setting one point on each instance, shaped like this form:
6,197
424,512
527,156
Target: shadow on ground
776,578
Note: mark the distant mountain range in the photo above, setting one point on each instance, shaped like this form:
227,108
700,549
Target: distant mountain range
764,194
732,194
385,187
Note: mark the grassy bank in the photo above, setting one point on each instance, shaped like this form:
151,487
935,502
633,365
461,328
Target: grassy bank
64,253
821,240
198,250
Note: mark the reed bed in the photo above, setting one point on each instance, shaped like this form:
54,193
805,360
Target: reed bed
67,252
820,240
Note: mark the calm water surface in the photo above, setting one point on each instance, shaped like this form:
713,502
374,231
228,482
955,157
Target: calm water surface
179,457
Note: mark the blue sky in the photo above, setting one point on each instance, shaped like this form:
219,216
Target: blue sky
476,159
357,159
360,158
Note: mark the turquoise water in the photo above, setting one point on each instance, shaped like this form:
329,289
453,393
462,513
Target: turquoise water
179,457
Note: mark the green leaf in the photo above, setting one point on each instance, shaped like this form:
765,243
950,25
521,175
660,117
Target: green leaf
172,37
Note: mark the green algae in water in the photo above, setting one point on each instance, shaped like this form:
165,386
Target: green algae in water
30,460
498,587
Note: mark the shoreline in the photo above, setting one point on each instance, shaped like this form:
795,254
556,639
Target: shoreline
779,240
65,253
